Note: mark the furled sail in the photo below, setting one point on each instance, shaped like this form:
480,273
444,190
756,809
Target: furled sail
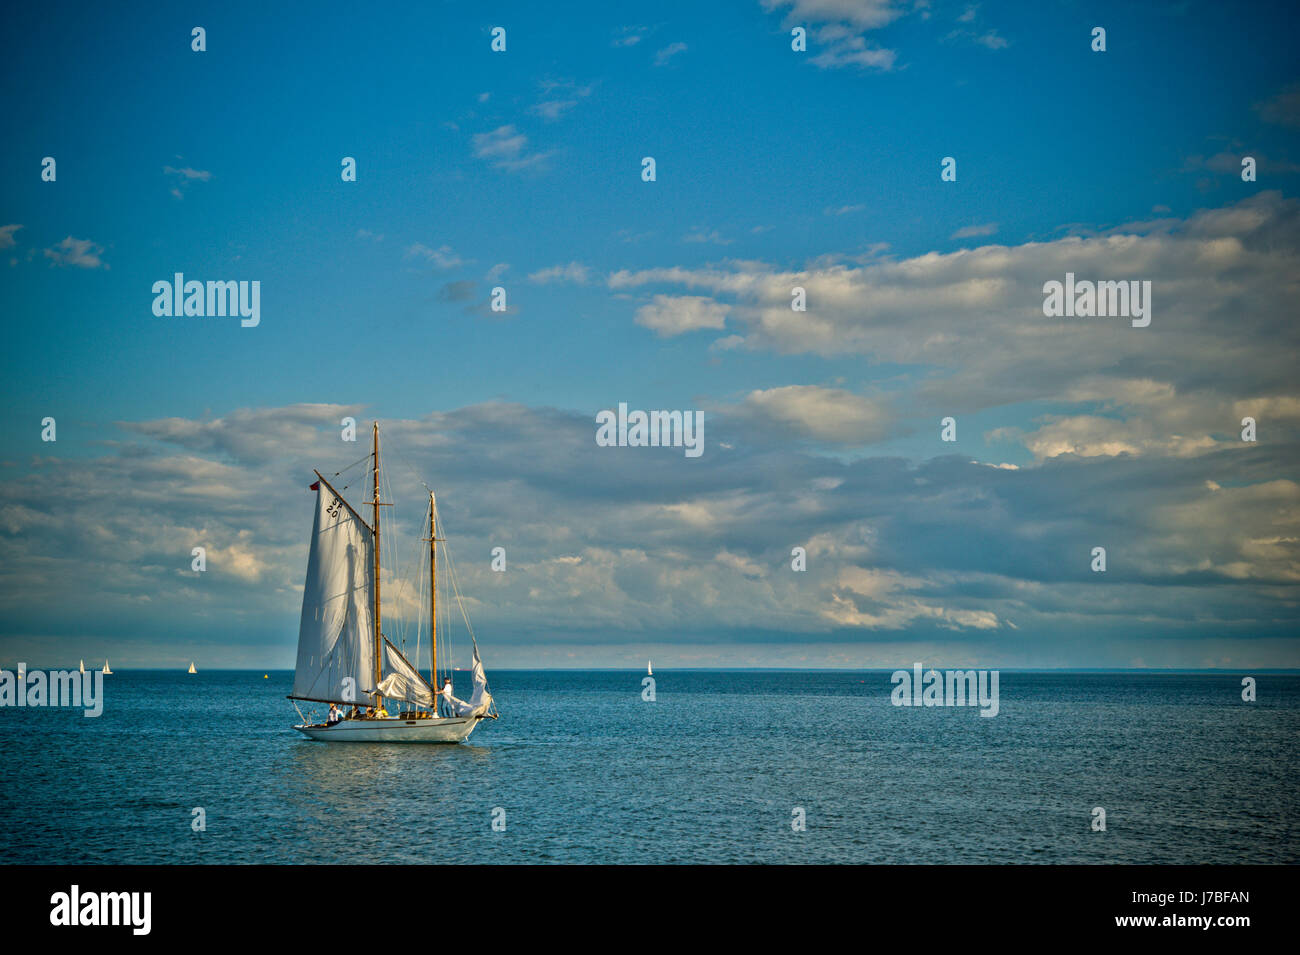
336,637
401,681
481,700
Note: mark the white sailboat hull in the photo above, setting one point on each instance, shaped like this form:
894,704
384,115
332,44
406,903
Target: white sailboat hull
441,730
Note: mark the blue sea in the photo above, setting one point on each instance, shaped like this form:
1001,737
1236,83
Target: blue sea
581,769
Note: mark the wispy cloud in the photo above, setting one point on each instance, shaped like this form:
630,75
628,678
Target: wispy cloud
574,272
183,177
1282,109
7,236
83,253
443,257
507,148
711,236
665,55
629,36
968,32
975,231
559,97
840,28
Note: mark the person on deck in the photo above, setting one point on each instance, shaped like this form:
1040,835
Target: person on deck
334,716
446,695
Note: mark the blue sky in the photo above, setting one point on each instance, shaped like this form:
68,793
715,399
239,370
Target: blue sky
522,169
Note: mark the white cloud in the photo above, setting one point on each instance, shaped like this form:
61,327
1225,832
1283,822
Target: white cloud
507,148
444,257
975,231
702,235
677,314
667,53
82,253
840,26
574,272
823,414
183,177
975,315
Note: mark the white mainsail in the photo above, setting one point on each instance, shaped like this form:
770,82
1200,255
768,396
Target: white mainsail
402,681
336,636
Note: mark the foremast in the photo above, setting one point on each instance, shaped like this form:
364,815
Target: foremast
433,597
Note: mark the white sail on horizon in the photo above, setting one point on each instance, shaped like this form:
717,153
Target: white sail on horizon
336,635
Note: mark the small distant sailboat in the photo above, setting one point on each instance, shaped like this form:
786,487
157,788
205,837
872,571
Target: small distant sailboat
81,666
343,656
649,670
191,669
107,671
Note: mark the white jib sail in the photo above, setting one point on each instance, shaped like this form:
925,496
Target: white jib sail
336,637
481,700
401,680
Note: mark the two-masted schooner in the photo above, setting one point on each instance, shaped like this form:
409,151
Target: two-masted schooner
345,659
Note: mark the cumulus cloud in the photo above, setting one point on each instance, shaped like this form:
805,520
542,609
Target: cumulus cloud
839,28
642,543
970,323
824,414
677,314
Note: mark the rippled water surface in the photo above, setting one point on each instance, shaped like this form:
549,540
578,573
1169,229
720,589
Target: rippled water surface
586,771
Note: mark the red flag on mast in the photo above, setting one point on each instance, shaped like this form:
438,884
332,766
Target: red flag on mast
315,487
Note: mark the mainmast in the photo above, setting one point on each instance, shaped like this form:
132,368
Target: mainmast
433,596
379,648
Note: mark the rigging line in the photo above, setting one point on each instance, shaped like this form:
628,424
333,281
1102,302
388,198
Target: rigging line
451,568
349,468
416,474
352,465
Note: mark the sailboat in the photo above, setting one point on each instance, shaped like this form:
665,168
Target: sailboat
649,670
191,669
81,666
107,671
344,658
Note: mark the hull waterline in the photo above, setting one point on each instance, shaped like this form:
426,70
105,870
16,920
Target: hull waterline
449,730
